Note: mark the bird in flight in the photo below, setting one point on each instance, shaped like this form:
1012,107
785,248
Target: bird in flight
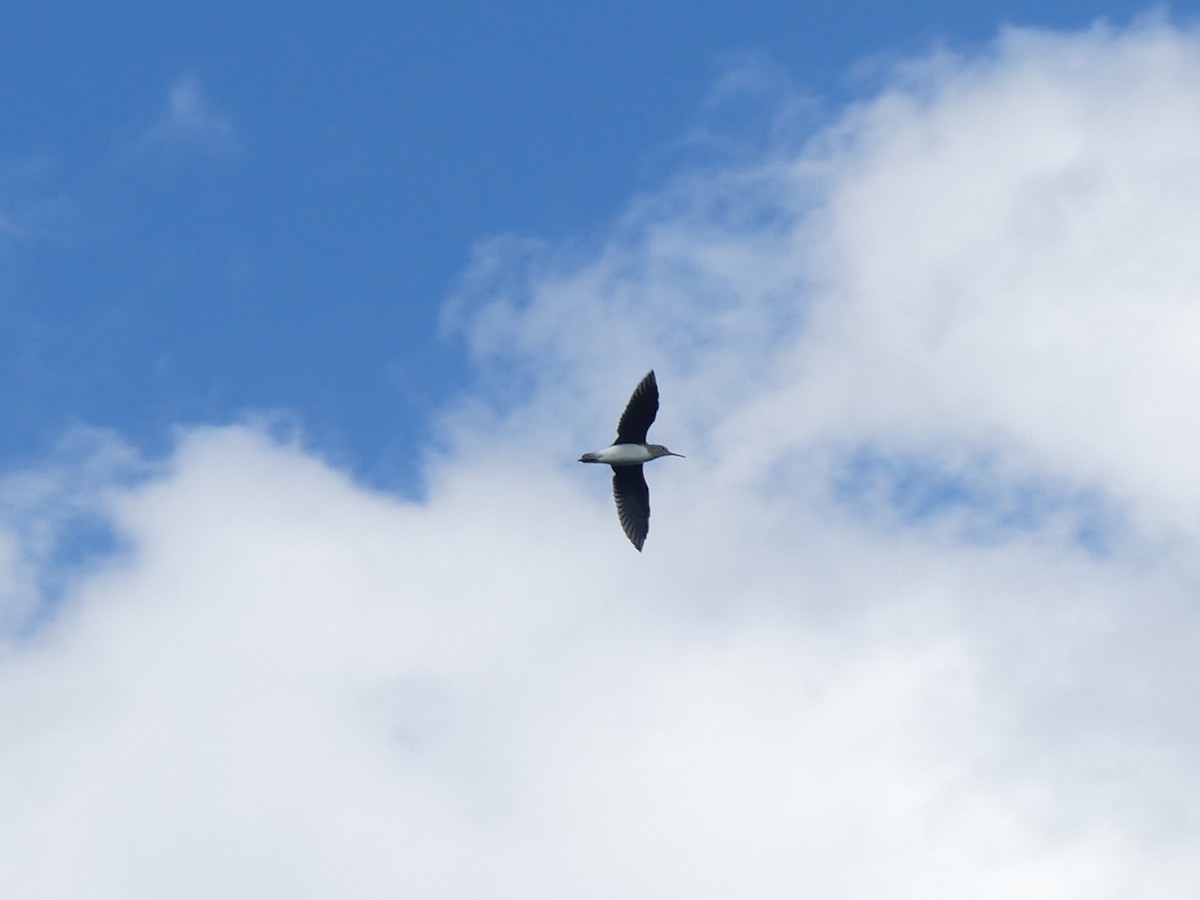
626,456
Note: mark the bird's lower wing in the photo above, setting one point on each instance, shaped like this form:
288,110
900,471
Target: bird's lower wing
633,502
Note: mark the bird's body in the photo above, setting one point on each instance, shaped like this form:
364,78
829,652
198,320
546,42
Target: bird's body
626,456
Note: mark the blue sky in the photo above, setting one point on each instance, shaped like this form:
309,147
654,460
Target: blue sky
292,251
306,316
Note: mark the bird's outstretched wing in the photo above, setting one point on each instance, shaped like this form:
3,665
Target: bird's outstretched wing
639,412
633,503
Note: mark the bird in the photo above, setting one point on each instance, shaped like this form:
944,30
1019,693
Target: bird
626,456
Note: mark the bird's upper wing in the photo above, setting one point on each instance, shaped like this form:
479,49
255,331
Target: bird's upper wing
633,502
639,412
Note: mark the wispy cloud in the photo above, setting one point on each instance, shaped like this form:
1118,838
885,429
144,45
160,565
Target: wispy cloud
31,207
288,684
9,228
189,118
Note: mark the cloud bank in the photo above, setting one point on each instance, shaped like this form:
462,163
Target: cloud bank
916,618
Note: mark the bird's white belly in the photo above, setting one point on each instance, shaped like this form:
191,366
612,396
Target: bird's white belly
623,455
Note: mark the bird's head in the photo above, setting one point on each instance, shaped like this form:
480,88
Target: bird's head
657,450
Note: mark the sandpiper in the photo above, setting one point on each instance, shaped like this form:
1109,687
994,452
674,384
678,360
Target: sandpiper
626,456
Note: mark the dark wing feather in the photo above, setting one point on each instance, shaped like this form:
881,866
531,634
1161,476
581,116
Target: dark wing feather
639,412
633,503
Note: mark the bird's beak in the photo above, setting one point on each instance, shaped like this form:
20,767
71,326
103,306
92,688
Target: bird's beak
680,455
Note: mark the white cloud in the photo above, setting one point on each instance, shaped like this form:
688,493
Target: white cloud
978,281
189,118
